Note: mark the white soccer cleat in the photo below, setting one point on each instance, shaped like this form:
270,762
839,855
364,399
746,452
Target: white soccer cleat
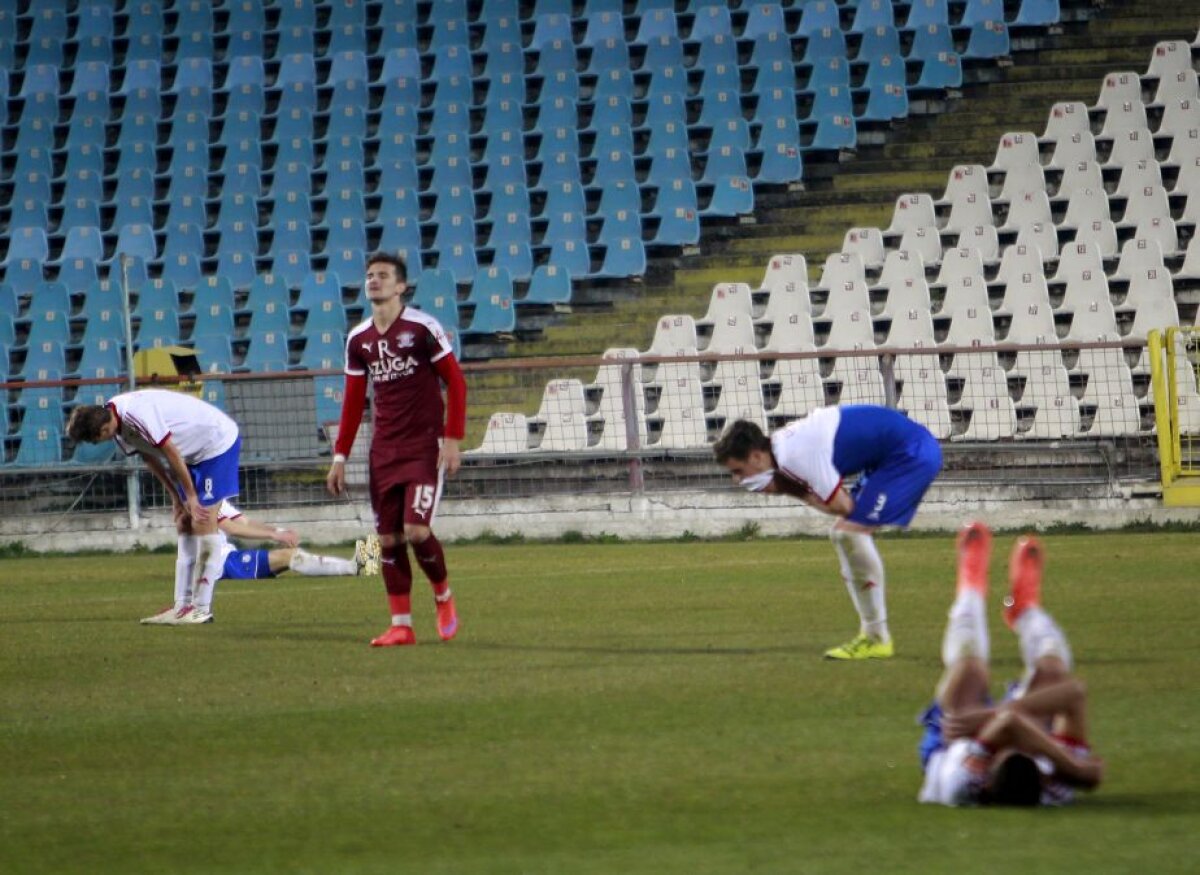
191,616
366,556
164,617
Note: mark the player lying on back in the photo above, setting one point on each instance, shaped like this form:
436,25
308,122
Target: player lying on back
263,564
1032,748
895,459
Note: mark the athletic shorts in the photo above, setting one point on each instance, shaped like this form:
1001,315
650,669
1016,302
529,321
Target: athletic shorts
248,565
890,494
948,781
405,492
216,479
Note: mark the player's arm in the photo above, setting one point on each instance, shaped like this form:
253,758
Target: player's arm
183,476
1011,728
1052,699
839,504
456,411
965,722
354,402
240,527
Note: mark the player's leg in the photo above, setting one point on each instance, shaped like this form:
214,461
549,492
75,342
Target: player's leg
215,480
1045,651
862,571
421,501
966,645
310,564
186,552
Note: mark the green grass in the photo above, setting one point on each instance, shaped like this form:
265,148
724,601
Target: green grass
608,708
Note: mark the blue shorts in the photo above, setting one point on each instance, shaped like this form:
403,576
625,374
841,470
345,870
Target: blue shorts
890,494
248,565
932,740
216,479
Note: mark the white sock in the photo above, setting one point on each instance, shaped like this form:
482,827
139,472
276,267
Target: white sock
966,629
185,565
311,565
1038,636
402,620
862,570
210,573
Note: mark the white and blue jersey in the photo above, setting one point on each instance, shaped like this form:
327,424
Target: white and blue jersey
895,459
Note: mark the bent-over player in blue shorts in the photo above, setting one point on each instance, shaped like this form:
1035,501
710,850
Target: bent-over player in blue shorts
895,459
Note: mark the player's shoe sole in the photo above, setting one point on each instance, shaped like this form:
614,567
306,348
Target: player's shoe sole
1025,567
447,619
974,555
862,647
366,556
164,617
395,636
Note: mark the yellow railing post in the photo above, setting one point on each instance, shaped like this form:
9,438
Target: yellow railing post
1163,411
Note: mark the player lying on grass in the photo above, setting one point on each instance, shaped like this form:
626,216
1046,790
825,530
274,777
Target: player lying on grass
1032,748
896,460
262,564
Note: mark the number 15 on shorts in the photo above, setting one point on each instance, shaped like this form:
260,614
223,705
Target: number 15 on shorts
422,503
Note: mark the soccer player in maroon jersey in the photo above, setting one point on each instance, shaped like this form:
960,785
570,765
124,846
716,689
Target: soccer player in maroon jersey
406,357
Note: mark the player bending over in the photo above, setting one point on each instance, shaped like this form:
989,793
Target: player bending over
406,357
262,564
896,460
1032,748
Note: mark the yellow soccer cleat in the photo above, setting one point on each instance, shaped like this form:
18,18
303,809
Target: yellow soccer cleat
862,647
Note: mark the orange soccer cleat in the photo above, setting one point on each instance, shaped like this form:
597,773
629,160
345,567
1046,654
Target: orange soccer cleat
395,636
974,554
447,618
1024,578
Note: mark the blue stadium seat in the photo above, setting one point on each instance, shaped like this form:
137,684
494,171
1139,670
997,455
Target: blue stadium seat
23,274
614,82
732,196
886,101
297,12
214,352
603,26
101,358
213,290
213,318
46,360
1038,13
324,350
245,43
346,233
157,328
348,266
941,71
295,39
873,13
268,302
28,212
509,227
834,132
827,42
291,235
613,54
133,210
879,41
158,294
931,40
292,265
988,40
550,28
619,223
712,20
348,38
676,210
560,83
559,112
401,233
550,285
573,257
236,265
779,143
95,48
27,243
980,11
182,268
733,133
40,446
9,303
245,15
267,352
398,35
89,76
718,107
925,12
77,274
320,300
511,197
669,165
492,295
516,257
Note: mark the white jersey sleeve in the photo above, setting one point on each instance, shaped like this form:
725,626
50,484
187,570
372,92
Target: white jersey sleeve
803,451
948,781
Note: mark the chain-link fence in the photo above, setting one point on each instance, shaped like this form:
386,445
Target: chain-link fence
1030,421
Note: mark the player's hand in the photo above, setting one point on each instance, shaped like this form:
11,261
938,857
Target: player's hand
198,512
335,480
449,456
965,724
287,537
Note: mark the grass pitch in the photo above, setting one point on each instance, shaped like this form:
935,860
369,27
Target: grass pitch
607,708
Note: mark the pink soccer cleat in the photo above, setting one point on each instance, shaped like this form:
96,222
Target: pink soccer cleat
447,619
1024,578
395,636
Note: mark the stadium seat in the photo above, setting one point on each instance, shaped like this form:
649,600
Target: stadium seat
922,393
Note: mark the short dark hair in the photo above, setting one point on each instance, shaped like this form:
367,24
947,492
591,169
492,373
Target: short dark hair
1016,780
86,421
739,440
395,259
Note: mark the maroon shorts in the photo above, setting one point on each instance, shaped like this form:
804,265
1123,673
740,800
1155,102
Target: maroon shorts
404,491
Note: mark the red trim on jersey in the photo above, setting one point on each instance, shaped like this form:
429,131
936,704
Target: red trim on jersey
456,396
354,402
833,493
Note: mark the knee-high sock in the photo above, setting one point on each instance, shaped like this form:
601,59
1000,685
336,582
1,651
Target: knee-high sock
862,569
1039,636
397,580
185,565
311,565
213,565
432,559
966,629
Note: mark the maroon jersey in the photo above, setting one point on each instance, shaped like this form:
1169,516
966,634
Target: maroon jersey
399,365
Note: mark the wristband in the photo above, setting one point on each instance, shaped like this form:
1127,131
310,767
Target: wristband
339,457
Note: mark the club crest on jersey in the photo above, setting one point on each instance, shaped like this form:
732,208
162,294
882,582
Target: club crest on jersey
406,339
